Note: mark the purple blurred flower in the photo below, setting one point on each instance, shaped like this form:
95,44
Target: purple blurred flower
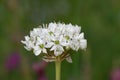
12,61
40,70
115,74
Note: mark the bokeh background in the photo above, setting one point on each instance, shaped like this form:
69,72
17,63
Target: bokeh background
100,21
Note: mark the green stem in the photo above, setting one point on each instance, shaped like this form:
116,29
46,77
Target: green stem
58,69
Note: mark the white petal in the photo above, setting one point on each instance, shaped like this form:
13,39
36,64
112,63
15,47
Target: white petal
44,50
83,44
81,36
68,59
52,26
37,52
39,41
49,44
36,48
61,48
27,38
30,44
56,53
63,43
24,42
53,48
27,48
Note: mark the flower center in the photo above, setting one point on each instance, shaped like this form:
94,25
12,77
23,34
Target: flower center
56,42
50,32
42,46
67,37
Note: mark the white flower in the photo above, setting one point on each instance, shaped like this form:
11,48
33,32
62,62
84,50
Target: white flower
39,47
29,43
82,41
58,50
54,40
57,45
52,27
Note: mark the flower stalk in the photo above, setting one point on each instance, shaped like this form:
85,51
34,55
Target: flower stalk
58,68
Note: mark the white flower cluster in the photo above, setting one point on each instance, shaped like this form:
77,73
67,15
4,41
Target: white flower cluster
55,39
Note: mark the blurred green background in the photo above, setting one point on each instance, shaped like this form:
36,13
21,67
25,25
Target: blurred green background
100,21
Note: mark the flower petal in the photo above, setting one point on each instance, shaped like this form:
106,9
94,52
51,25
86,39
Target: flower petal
83,44
27,48
44,50
49,44
57,53
68,59
81,36
27,38
37,52
53,48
